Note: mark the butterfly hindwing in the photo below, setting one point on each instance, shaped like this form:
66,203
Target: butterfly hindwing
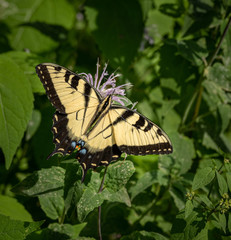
137,135
99,130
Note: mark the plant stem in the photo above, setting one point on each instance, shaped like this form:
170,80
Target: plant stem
210,62
99,208
220,42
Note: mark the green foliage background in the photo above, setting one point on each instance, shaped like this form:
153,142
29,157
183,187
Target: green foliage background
176,53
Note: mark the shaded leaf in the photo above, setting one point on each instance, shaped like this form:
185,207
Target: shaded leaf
119,196
52,203
228,176
229,222
205,200
33,124
203,177
73,188
72,231
146,181
15,229
182,155
123,24
223,188
144,235
41,182
222,221
188,208
178,193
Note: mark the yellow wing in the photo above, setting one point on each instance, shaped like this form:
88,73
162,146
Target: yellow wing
135,134
98,130
65,89
76,102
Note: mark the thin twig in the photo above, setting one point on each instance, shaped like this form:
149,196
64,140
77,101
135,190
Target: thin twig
220,42
99,208
210,62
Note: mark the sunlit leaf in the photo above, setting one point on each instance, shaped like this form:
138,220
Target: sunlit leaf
16,103
58,12
11,207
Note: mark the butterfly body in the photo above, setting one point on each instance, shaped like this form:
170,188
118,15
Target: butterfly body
97,128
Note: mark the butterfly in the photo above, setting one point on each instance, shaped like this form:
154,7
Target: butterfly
99,129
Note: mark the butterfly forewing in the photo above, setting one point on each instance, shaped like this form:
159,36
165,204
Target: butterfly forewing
65,89
100,131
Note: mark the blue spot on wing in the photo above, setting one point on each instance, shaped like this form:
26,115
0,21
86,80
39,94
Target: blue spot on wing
81,142
73,144
83,151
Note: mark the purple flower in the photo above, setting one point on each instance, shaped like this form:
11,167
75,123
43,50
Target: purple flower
106,85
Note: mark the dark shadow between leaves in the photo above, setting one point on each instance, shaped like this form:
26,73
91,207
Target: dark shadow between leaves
55,32
48,234
172,10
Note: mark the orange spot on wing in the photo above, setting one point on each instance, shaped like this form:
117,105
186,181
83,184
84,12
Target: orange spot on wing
78,147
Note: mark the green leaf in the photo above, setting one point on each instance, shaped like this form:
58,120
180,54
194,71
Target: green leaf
11,207
27,62
178,193
33,124
58,12
73,188
188,208
88,202
193,51
123,24
203,177
146,181
41,182
228,176
144,235
222,221
48,185
72,231
203,235
118,174
15,229
229,222
119,196
206,200
16,103
59,232
223,188
182,155
209,142
188,228
52,203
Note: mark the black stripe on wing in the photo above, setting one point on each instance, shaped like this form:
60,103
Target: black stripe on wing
157,146
61,138
44,74
95,159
